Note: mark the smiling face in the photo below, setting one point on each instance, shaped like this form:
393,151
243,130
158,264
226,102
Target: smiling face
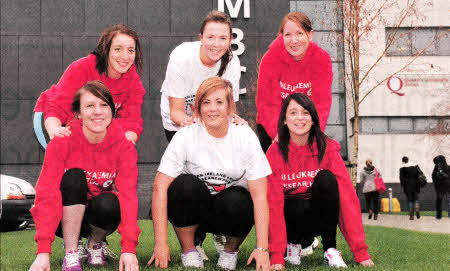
121,55
215,40
298,121
296,39
96,115
214,111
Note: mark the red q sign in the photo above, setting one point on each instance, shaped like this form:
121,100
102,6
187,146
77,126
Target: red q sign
395,84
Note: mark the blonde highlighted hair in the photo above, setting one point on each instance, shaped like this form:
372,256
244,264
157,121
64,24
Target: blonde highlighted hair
209,86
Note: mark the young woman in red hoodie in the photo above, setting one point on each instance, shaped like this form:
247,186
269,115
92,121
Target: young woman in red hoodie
293,64
310,192
116,62
87,186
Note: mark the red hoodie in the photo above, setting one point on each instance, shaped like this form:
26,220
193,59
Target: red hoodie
281,75
297,176
114,159
127,91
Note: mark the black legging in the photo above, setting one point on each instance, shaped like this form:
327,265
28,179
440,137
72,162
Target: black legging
102,211
372,199
317,216
229,212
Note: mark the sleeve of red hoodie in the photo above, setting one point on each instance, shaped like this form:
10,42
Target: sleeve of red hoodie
47,210
126,184
275,198
322,78
350,222
268,99
129,114
59,98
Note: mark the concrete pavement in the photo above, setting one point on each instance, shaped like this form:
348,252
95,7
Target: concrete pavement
425,223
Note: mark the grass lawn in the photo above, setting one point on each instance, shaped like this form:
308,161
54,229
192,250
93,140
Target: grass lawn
391,249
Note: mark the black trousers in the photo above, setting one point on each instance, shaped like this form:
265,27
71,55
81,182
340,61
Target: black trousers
229,212
372,201
102,211
319,215
263,136
169,134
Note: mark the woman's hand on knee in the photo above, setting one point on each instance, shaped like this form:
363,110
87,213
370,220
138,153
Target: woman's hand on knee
41,263
58,131
128,262
367,263
277,266
161,256
261,258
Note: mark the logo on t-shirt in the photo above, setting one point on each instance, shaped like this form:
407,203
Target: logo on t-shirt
301,87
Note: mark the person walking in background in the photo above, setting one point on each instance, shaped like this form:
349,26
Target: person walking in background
293,64
117,62
409,181
367,179
441,181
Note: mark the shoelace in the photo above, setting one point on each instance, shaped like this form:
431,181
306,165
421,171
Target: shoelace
108,252
71,259
96,253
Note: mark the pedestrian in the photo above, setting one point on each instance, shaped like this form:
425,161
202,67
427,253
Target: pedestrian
87,187
441,181
369,189
293,64
409,181
310,192
197,184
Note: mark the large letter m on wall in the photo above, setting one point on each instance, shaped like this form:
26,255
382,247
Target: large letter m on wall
234,10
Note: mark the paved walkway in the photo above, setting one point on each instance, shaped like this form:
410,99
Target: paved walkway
425,223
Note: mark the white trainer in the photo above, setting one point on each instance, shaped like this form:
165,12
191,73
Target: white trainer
293,254
202,253
107,252
333,258
310,250
82,253
227,260
192,259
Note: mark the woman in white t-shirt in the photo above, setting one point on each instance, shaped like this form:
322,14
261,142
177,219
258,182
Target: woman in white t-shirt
192,62
196,187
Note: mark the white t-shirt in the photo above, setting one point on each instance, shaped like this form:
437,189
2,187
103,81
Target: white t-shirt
219,162
185,72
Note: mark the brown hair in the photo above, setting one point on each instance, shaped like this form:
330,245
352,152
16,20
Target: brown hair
209,86
104,45
223,18
369,163
297,17
99,90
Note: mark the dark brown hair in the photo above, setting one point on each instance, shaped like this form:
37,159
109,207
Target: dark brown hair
220,17
297,17
315,134
99,90
104,45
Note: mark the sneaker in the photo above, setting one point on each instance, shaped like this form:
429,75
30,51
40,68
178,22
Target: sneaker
192,259
309,250
333,258
82,254
219,242
293,254
227,260
202,253
96,257
107,252
71,262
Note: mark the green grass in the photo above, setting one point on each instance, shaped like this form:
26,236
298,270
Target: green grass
391,249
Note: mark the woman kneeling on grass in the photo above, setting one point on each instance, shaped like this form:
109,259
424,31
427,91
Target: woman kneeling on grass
309,191
88,186
196,184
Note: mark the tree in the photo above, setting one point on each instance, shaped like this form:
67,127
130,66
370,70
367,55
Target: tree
362,20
